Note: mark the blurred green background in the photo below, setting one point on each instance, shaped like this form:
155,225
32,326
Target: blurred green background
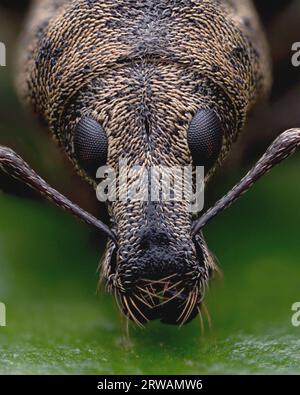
48,260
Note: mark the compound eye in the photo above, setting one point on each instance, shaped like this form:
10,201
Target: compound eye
90,145
205,138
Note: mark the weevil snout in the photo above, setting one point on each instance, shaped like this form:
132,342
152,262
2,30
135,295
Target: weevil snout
166,299
161,275
158,258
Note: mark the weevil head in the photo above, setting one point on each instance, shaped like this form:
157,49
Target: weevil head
146,115
139,121
151,85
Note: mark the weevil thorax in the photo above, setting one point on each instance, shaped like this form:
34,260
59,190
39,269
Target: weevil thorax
142,71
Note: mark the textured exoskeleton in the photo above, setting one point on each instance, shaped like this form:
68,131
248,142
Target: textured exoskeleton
167,83
143,70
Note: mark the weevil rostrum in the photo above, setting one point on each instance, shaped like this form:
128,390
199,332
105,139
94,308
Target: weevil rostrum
166,83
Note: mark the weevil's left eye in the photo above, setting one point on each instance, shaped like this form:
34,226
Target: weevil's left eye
205,138
90,145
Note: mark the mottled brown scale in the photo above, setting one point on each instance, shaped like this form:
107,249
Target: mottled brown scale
142,70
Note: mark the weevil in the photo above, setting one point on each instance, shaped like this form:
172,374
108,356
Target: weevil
154,83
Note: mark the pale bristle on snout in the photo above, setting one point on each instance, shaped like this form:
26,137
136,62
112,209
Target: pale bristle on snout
169,299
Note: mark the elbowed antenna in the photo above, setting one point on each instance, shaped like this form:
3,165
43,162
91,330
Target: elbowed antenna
281,148
14,165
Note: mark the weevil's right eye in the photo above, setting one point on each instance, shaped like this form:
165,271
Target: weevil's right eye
205,138
90,145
